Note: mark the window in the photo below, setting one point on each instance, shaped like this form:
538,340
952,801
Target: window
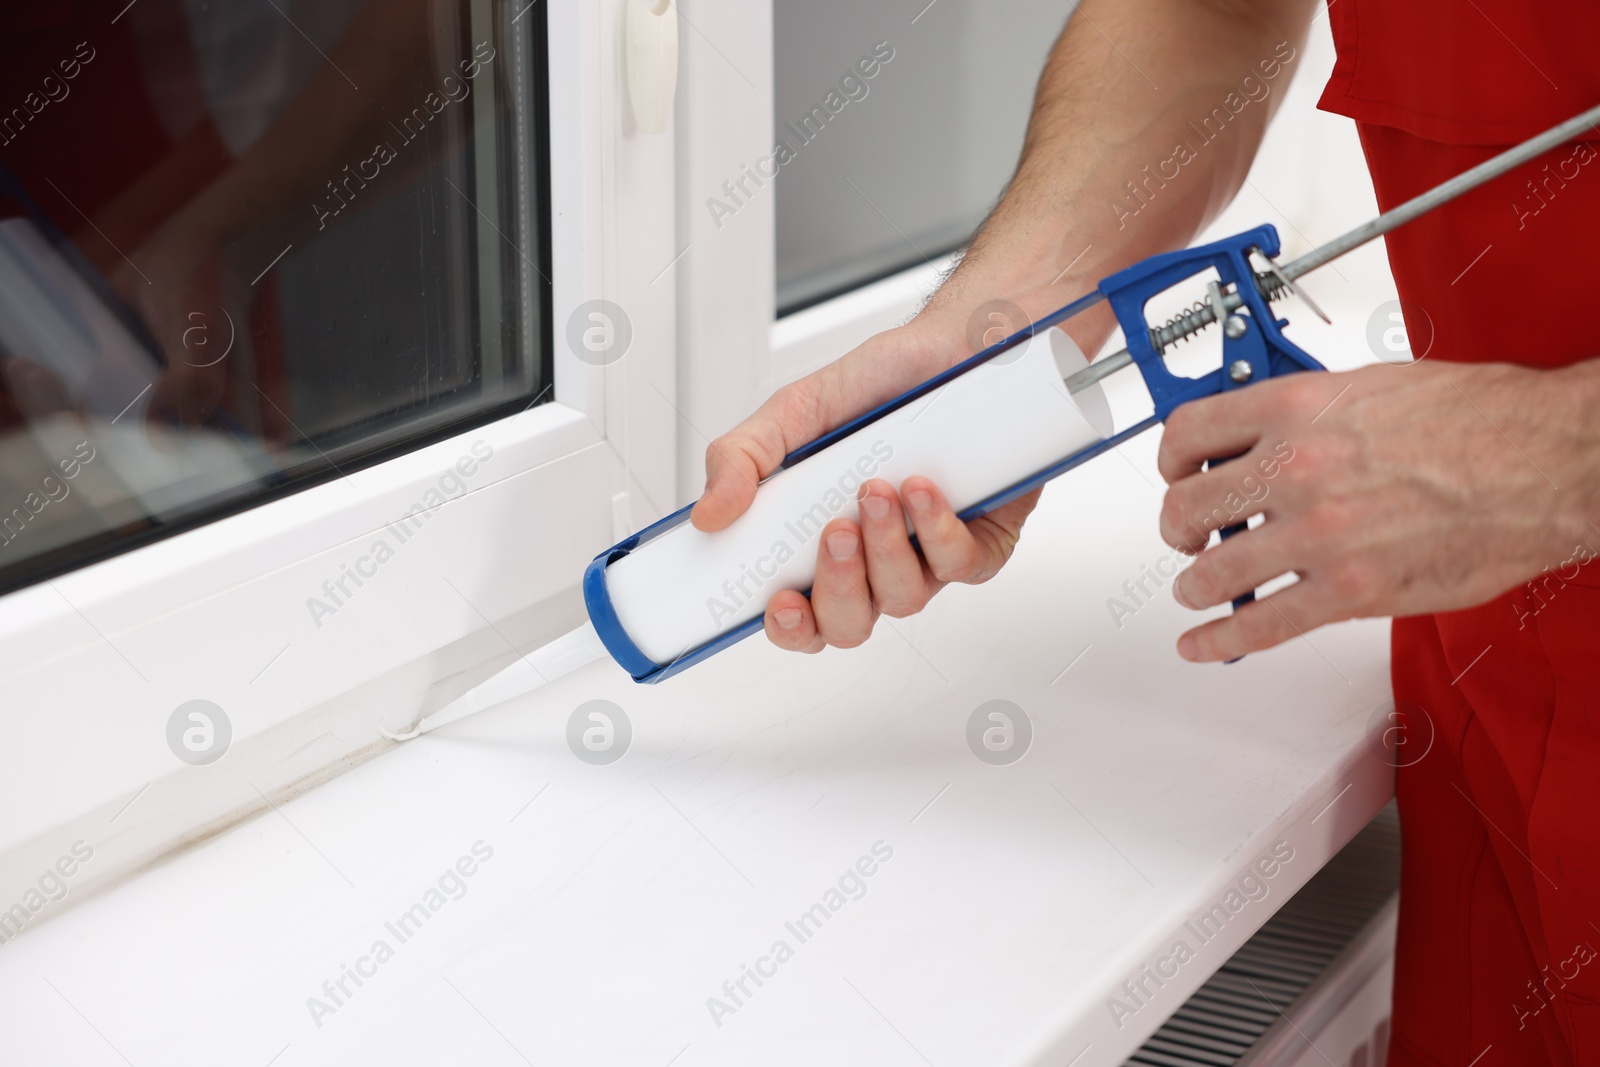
903,127
248,247
412,326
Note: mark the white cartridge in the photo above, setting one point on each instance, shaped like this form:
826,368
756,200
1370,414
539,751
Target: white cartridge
975,436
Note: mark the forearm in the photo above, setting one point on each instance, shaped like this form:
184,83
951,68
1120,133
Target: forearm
1144,125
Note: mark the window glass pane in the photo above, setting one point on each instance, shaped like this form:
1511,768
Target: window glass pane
877,172
247,246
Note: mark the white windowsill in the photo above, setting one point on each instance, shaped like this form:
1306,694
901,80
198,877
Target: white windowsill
620,898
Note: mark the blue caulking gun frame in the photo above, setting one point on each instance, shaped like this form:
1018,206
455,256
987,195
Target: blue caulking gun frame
1254,350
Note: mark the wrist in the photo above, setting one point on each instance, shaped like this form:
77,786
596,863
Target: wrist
1540,418
1564,400
1037,273
1000,288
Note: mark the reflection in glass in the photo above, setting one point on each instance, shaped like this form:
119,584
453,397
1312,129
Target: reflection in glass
246,246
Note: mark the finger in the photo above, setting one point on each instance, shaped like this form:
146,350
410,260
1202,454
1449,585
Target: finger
878,370
955,551
790,623
735,464
795,415
896,573
1206,429
1237,566
839,597
1225,495
1290,613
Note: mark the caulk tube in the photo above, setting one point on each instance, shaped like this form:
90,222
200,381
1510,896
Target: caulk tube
672,595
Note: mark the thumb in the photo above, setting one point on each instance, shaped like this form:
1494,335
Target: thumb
735,465
798,413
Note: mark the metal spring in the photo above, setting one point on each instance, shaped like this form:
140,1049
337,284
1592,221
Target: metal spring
1187,323
1183,325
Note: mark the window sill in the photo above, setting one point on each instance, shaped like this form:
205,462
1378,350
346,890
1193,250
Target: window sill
619,899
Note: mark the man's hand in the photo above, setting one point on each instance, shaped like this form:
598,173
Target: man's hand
1393,491
1064,221
869,568
198,311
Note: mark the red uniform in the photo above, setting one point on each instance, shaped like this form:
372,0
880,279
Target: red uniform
1499,945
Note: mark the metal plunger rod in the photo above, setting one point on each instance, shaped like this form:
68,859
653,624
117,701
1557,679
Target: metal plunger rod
1389,220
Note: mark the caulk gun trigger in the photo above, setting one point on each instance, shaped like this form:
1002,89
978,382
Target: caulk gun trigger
1305,297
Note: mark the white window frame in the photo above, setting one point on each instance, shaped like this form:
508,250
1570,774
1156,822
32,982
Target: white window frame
736,350
93,663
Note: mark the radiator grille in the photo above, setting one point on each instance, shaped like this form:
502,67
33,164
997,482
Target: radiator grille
1227,1015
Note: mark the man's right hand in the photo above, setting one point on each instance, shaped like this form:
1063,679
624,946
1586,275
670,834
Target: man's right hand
1084,202
869,567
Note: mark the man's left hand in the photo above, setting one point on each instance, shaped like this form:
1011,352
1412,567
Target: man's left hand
1393,491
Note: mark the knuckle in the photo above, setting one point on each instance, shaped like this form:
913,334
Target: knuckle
1174,515
903,602
1258,626
1299,472
1181,424
1200,526
955,567
1206,642
800,402
847,640
728,450
1203,581
993,544
1300,396
1353,583
1314,459
1166,463
791,400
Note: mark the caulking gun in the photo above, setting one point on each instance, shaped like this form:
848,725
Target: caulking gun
1024,411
